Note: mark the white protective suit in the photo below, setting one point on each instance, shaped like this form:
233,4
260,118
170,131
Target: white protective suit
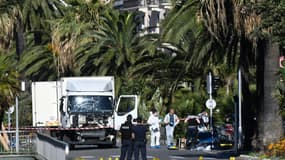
154,128
170,128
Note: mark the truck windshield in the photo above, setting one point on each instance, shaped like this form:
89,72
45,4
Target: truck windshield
84,104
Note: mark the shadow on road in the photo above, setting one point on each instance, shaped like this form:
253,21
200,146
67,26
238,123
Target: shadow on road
92,147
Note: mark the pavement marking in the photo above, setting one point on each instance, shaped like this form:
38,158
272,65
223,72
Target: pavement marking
176,157
87,157
180,157
115,156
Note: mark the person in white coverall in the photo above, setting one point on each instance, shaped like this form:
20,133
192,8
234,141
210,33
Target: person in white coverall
154,128
170,120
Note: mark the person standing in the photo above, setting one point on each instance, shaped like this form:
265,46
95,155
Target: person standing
154,121
127,142
192,131
171,120
139,136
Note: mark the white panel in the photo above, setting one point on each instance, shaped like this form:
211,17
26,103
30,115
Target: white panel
45,96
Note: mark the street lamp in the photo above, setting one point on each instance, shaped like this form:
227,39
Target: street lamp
17,117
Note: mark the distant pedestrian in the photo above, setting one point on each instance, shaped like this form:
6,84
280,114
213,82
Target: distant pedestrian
127,142
154,123
139,135
204,118
171,120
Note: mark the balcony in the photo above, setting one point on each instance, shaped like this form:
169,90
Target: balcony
128,4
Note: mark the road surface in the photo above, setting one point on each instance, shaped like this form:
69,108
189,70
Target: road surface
93,153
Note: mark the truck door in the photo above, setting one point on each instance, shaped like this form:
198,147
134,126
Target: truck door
127,104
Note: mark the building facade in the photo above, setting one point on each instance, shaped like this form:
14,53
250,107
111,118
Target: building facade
150,12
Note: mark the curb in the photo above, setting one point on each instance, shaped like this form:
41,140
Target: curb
247,157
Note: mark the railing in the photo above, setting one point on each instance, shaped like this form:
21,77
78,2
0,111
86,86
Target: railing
8,142
51,148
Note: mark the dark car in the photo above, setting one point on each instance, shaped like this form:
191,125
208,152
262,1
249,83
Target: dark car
222,138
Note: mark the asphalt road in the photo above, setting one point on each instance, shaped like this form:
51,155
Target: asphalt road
93,153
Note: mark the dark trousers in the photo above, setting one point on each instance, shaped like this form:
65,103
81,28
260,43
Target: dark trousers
140,147
126,149
192,135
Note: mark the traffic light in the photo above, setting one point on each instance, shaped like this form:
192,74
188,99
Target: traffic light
213,83
216,82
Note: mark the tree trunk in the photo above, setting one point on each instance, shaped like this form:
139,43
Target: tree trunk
37,37
269,120
19,37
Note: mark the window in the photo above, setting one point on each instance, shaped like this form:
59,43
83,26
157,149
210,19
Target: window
126,104
89,104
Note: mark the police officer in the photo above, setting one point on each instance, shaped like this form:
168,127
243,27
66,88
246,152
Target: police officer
127,143
192,130
139,135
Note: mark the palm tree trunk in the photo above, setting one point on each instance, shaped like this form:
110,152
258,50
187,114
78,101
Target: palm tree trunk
269,120
248,112
19,37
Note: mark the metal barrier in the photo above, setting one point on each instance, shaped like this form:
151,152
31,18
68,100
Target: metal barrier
8,142
51,148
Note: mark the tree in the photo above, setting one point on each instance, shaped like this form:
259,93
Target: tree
116,48
270,48
9,84
234,25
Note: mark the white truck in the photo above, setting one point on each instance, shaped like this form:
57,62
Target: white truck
81,110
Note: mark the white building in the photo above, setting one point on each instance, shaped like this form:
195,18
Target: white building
151,12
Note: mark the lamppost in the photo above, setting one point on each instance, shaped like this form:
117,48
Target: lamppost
17,117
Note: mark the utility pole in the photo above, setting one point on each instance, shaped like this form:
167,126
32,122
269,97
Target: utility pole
210,103
239,110
17,125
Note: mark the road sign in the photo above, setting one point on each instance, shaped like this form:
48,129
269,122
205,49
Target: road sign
211,104
10,110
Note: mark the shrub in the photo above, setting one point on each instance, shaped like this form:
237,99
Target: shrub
277,149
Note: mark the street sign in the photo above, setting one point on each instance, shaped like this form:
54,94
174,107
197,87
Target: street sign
211,104
10,110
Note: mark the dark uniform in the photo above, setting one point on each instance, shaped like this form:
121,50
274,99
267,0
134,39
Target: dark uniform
139,132
192,133
127,143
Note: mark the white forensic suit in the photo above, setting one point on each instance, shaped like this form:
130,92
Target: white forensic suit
154,128
171,121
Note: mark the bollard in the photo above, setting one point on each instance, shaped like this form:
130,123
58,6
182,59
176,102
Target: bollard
232,158
201,158
101,158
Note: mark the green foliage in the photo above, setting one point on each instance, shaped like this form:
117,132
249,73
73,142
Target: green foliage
9,84
273,19
280,92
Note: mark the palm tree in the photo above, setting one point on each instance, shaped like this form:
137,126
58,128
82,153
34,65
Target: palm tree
234,25
116,48
36,15
9,84
73,35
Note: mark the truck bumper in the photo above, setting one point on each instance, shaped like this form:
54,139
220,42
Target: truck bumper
105,136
